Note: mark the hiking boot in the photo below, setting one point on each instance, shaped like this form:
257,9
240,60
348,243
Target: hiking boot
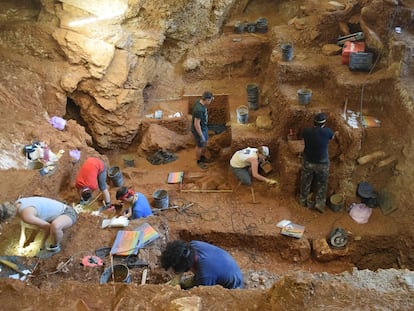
303,202
320,208
202,165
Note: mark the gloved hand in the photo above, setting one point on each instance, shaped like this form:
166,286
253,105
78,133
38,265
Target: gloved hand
109,206
271,181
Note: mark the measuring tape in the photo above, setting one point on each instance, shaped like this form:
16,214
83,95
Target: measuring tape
91,261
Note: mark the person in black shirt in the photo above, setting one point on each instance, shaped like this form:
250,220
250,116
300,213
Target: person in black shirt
315,167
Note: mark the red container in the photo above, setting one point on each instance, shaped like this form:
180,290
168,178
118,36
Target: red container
351,47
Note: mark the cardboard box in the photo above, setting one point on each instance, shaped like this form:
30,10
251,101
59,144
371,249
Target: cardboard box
351,47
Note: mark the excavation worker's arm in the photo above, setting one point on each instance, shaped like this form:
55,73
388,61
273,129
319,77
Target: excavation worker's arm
254,165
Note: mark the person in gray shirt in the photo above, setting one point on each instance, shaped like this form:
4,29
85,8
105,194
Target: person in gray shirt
49,215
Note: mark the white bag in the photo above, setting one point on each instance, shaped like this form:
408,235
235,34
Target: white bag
360,212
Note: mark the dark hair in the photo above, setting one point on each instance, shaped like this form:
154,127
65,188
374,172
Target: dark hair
319,119
121,192
207,95
178,255
86,194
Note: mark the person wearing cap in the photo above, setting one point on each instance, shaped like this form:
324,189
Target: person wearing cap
49,215
315,166
140,207
92,176
211,265
199,127
245,163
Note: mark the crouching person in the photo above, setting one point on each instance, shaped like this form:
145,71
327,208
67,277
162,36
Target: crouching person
139,205
49,215
210,264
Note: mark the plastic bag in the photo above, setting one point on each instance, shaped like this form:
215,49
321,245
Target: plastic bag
58,123
360,212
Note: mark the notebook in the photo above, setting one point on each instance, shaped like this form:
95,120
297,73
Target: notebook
293,230
149,234
127,243
175,177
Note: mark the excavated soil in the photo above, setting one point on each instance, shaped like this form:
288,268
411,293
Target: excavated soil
281,273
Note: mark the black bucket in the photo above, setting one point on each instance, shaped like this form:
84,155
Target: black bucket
261,25
161,199
251,27
116,177
242,114
336,202
253,96
129,161
117,274
287,52
304,96
239,27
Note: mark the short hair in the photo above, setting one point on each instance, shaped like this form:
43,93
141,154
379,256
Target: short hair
207,95
178,255
86,193
319,119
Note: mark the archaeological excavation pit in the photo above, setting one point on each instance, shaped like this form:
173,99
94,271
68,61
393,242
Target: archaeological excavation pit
126,85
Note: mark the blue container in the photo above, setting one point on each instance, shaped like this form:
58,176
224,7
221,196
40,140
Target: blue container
116,177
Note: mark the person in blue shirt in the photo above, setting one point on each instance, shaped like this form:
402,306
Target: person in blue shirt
199,127
315,167
210,264
140,207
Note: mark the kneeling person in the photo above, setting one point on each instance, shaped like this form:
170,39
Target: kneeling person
49,215
210,264
140,207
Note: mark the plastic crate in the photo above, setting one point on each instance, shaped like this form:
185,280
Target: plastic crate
360,61
350,48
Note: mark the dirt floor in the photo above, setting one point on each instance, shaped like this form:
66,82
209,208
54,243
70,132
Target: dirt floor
373,271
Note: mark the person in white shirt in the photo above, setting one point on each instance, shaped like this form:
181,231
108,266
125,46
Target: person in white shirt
245,164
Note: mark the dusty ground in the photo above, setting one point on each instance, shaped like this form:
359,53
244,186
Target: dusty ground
281,273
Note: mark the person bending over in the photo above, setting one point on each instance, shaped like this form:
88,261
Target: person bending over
49,215
91,176
140,207
210,264
245,163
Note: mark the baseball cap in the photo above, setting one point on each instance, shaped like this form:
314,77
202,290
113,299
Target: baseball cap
207,95
265,151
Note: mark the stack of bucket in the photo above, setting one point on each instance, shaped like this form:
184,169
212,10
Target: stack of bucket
261,25
253,96
287,52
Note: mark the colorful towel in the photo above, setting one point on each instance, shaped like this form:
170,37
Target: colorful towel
126,243
149,234
175,177
368,121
